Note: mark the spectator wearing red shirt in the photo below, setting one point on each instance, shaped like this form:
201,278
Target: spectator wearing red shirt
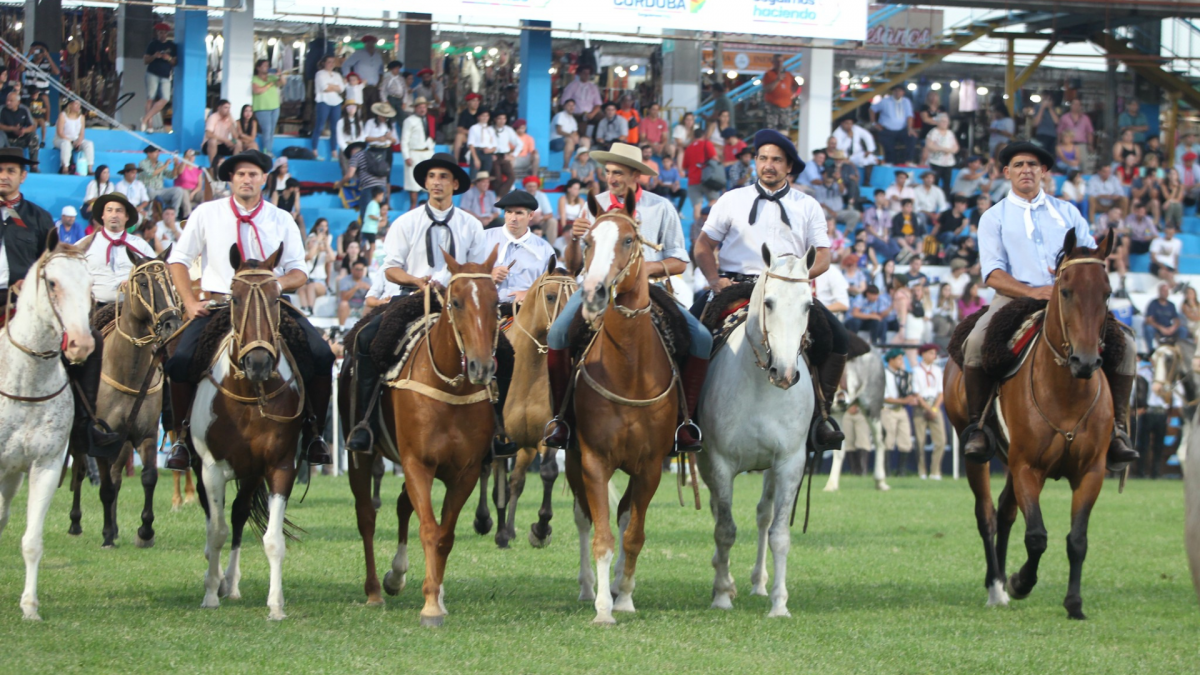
654,130
694,158
779,90
733,145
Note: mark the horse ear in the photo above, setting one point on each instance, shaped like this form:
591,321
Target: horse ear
451,263
135,257
766,254
491,259
235,257
166,253
553,264
811,258
630,202
1106,246
1069,242
272,260
593,205
52,240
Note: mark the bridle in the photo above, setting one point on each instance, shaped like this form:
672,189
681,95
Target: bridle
765,363
46,355
635,257
155,272
429,290
1062,322
566,287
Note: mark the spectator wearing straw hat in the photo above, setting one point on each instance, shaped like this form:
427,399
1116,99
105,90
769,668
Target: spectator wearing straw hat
160,59
479,200
133,189
416,145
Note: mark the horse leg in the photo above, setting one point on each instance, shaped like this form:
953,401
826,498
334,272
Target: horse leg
719,478
365,513
595,479
456,497
516,485
501,501
1082,501
539,532
587,579
622,524
1027,486
145,534
880,455
788,475
483,516
110,473
418,483
377,471
78,472
216,530
9,483
985,521
835,471
641,490
239,513
766,516
1006,515
279,482
189,492
43,481
395,580
176,495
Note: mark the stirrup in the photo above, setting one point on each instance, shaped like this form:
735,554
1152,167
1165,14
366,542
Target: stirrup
364,425
179,448
831,445
988,434
1117,467
699,437
547,434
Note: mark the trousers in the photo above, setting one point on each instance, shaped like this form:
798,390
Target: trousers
559,338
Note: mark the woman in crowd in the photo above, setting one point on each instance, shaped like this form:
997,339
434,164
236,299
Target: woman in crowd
190,178
682,135
1074,190
941,147
1126,147
68,137
353,252
886,277
1172,210
352,235
350,129
1129,170
716,131
570,207
944,316
1191,309
970,302
246,129
288,199
927,116
328,87
277,179
265,99
1068,154
318,258
99,186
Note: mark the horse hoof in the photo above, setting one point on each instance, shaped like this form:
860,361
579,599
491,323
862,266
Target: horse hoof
276,615
138,542
432,621
108,545
376,502
1011,587
535,542
1074,609
722,601
1076,615
32,615
624,605
604,620
831,488
210,603
74,530
997,597
779,613
394,589
190,499
882,486
375,601
235,594
482,527
587,596
759,590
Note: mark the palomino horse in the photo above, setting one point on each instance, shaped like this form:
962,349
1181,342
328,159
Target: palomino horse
759,422
36,407
439,421
527,409
864,388
1173,364
1056,412
626,402
245,426
131,391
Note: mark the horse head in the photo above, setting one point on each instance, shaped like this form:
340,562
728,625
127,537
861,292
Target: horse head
1080,303
612,256
545,300
471,304
152,301
254,313
61,275
777,319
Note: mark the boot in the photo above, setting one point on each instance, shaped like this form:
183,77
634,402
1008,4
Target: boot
827,435
688,435
502,444
367,379
558,362
182,394
1120,449
319,389
976,445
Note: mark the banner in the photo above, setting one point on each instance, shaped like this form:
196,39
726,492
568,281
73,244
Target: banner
829,19
913,28
744,61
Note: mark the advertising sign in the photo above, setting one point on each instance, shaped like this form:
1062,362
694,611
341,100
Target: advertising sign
912,28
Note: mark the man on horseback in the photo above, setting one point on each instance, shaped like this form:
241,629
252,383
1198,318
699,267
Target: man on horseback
1019,242
23,235
658,225
106,260
257,228
523,256
414,246
744,220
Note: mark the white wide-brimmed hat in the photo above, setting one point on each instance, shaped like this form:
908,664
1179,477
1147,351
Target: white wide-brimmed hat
625,155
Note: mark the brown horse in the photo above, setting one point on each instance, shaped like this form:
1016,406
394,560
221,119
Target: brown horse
439,422
1056,412
527,408
245,425
626,403
132,377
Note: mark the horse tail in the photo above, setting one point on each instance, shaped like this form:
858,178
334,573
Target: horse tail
260,513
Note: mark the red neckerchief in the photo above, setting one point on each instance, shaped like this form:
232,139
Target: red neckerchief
614,204
248,220
12,205
431,122
113,242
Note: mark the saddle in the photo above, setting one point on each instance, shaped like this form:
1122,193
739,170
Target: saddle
104,317
667,316
729,308
219,327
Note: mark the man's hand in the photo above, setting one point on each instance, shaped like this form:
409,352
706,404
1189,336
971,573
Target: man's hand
853,410
499,273
1041,293
195,308
519,297
581,226
720,284
408,162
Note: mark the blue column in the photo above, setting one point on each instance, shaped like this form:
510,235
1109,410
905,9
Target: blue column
534,98
191,88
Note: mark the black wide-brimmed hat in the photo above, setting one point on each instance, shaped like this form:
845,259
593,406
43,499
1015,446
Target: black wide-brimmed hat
259,159
772,137
1026,148
352,148
443,160
14,156
130,209
518,199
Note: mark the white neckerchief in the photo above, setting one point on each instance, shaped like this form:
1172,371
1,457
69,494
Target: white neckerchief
1029,206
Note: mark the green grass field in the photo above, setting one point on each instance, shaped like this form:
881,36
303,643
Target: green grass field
882,583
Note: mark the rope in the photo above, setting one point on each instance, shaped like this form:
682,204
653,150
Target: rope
567,286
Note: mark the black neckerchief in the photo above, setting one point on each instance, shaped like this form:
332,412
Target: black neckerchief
763,195
429,233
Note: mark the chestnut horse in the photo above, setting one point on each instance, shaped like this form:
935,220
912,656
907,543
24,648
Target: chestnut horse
131,392
1057,414
626,403
439,420
245,426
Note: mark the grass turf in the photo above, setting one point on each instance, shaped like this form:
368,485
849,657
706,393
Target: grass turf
882,583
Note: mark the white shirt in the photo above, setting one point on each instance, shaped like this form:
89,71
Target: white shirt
322,80
383,289
932,200
927,382
108,274
1166,252
565,121
376,129
858,145
357,134
212,230
741,242
832,287
406,248
95,190
895,196
369,67
481,137
507,140
659,223
135,192
526,258
414,137
1072,192
959,284
891,388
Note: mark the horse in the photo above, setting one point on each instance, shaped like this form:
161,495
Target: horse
627,398
1056,412
1171,364
245,426
131,392
764,426
36,406
864,388
527,409
438,421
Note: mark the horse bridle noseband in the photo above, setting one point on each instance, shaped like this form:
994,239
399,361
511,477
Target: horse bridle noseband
1062,323
155,271
762,363
566,286
47,355
429,289
635,257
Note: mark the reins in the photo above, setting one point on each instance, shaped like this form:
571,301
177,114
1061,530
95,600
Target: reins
155,272
635,257
566,286
764,364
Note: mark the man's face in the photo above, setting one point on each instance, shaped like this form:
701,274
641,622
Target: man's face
901,179
974,165
585,74
871,297
168,216
777,61
847,125
224,110
369,46
422,110
501,120
427,78
160,35
928,179
897,94
771,164
1169,233
484,118
483,185
653,111
247,180
129,176
1132,107
1163,291
819,158
1025,171
68,221
620,179
152,155
114,217
357,271
569,106
11,177
1105,171
929,356
610,112
12,100
914,267
959,207
827,179
1114,215
907,208
1077,106
881,201
517,220
744,157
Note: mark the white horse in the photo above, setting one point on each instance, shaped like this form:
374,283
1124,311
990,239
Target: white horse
36,404
759,421
864,388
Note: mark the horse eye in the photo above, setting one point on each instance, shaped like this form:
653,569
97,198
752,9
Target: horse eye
456,304
769,304
1066,293
551,298
53,284
628,241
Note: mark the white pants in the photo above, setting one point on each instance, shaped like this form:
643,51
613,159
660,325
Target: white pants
66,147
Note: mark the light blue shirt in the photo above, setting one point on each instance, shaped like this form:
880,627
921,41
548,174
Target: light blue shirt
892,114
526,259
1004,244
811,174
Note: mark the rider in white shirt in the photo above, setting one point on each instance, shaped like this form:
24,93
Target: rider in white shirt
104,249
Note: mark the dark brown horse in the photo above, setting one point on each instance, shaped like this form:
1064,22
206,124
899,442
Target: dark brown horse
439,421
1057,414
147,315
626,403
245,426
